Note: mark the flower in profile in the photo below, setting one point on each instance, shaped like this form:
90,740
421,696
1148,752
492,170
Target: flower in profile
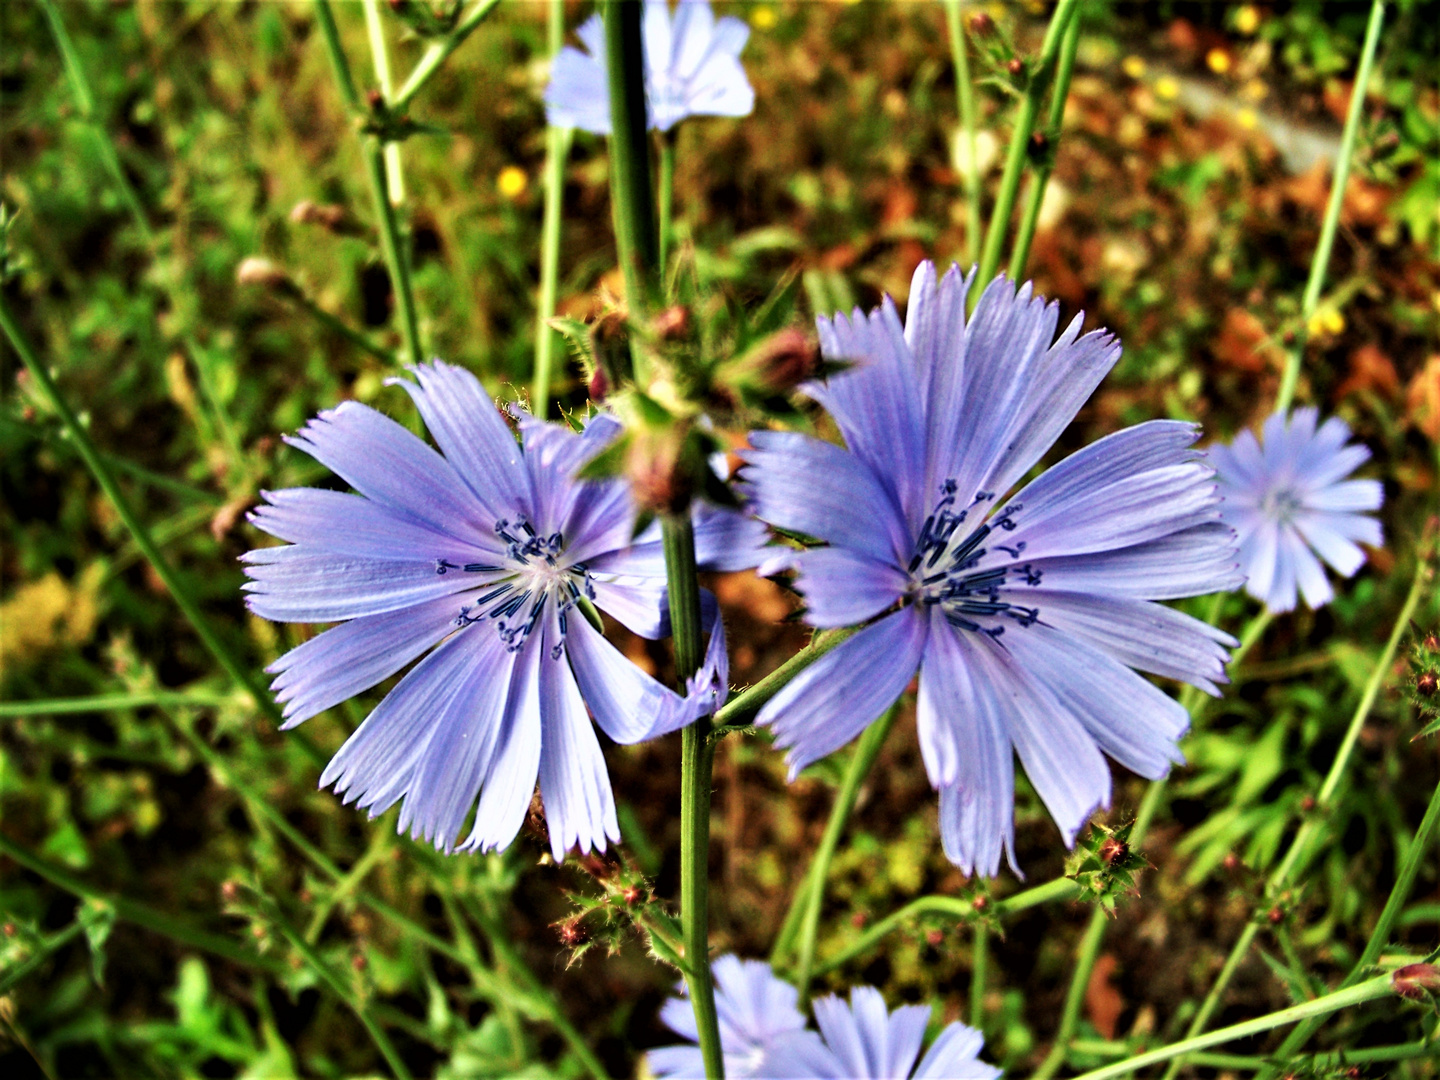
1288,500
869,1043
692,68
484,560
762,1033
1024,615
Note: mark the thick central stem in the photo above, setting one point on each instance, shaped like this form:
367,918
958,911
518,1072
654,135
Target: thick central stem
697,764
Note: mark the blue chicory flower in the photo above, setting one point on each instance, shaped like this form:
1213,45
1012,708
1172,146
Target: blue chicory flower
1288,500
869,1043
479,560
763,1034
1024,616
692,68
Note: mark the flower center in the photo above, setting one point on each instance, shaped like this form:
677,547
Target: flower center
531,575
1280,505
951,572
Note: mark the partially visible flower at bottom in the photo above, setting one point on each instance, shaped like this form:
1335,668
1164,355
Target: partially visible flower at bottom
481,560
763,1034
1288,501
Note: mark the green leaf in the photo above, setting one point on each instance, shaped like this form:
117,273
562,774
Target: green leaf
98,918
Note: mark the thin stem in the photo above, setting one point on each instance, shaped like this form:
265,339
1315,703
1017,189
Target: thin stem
1323,1006
112,702
697,755
631,191
339,326
965,99
1059,889
979,964
1040,179
667,195
1297,854
741,709
163,923
1040,78
108,484
1194,703
557,150
1320,263
380,55
43,951
439,52
812,894
388,224
346,994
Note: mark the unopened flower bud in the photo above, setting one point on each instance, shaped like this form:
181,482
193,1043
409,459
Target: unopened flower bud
672,324
1231,861
1307,803
1431,642
1039,143
934,937
374,99
1275,915
10,929
1427,683
256,270
327,216
229,891
658,477
1015,66
610,345
632,895
1113,850
358,962
859,919
980,903
572,933
1416,981
598,386
981,25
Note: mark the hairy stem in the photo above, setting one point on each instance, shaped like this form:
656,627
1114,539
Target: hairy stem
697,764
1321,261
631,189
439,51
667,195
380,56
1040,78
740,710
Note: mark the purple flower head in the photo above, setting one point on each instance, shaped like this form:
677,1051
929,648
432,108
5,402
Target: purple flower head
1289,501
1024,615
692,68
762,1033
869,1043
481,560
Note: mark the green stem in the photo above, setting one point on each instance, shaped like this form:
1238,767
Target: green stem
108,484
631,190
965,99
557,150
812,893
112,702
43,951
741,709
1321,260
439,52
667,195
980,962
1040,78
1059,889
163,923
340,327
1297,854
1341,999
346,994
380,56
697,756
387,221
1040,179
1094,936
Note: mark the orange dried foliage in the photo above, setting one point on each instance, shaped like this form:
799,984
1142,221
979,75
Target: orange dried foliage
1370,370
1422,399
1241,341
1103,1003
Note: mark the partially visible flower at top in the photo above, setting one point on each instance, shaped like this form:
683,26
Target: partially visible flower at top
1288,500
869,1043
762,1033
482,559
1024,615
692,68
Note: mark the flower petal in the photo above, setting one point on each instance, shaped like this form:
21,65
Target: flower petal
333,521
510,781
839,695
953,1054
843,587
289,584
574,783
354,656
1194,562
